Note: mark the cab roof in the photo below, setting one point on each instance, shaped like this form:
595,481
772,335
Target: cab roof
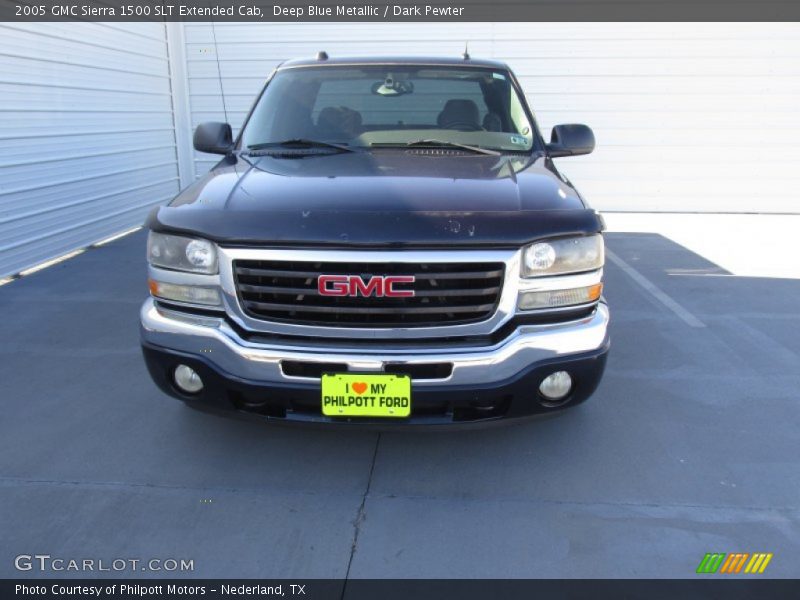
423,61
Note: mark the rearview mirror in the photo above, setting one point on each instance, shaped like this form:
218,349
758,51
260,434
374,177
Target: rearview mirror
392,87
214,138
570,140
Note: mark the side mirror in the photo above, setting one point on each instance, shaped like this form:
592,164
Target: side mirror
570,140
214,138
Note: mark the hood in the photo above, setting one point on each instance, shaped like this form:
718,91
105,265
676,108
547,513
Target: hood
421,197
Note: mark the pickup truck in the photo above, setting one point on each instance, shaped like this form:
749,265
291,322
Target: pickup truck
386,241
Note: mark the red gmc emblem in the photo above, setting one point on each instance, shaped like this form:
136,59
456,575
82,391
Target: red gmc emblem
382,286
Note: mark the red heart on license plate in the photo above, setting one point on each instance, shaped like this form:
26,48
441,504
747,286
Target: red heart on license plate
359,387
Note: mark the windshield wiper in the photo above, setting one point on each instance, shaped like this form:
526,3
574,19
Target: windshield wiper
299,143
431,143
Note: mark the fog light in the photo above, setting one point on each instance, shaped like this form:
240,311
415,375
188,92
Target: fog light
556,386
187,379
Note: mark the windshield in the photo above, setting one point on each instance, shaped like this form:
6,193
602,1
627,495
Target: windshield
391,105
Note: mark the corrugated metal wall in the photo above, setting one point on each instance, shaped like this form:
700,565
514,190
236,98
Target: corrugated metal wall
87,143
688,117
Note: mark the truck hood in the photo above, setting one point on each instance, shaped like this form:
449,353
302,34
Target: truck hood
382,198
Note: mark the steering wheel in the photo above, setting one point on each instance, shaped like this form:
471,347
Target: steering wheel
463,126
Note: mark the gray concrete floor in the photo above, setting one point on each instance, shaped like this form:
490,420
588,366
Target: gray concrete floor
689,446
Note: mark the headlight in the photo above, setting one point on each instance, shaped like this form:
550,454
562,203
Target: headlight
181,253
567,255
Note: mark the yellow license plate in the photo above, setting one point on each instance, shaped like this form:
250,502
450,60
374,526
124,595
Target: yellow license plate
351,395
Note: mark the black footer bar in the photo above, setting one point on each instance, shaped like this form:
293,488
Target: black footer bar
704,588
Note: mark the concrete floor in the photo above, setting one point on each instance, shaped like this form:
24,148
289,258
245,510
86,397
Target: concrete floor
689,446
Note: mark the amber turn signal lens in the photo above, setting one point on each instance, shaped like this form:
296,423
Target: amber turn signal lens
559,298
595,291
191,294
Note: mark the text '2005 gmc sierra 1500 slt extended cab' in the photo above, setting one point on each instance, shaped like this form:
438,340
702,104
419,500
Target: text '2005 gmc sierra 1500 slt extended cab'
387,241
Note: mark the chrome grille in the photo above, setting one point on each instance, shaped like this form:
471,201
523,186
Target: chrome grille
445,293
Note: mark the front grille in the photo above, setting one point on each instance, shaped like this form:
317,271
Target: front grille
445,293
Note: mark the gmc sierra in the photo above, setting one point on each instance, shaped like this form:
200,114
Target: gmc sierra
387,240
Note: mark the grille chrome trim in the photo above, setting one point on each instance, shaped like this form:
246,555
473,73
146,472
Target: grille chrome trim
244,287
355,310
292,274
506,304
443,293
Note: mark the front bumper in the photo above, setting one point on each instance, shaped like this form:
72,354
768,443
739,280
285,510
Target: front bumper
454,385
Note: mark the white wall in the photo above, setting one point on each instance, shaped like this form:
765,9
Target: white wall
688,117
96,118
87,143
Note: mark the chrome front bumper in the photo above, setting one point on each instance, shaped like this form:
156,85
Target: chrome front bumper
215,342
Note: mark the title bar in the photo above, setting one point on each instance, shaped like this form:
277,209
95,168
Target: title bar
400,10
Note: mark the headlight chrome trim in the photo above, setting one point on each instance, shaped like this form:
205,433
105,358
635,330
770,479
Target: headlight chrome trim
168,251
571,255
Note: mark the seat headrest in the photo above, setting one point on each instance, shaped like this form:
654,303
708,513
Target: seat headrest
340,120
458,111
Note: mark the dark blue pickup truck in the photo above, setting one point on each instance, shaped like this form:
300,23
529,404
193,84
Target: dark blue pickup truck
386,241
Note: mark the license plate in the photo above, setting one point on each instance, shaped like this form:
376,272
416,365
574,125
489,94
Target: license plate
351,395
